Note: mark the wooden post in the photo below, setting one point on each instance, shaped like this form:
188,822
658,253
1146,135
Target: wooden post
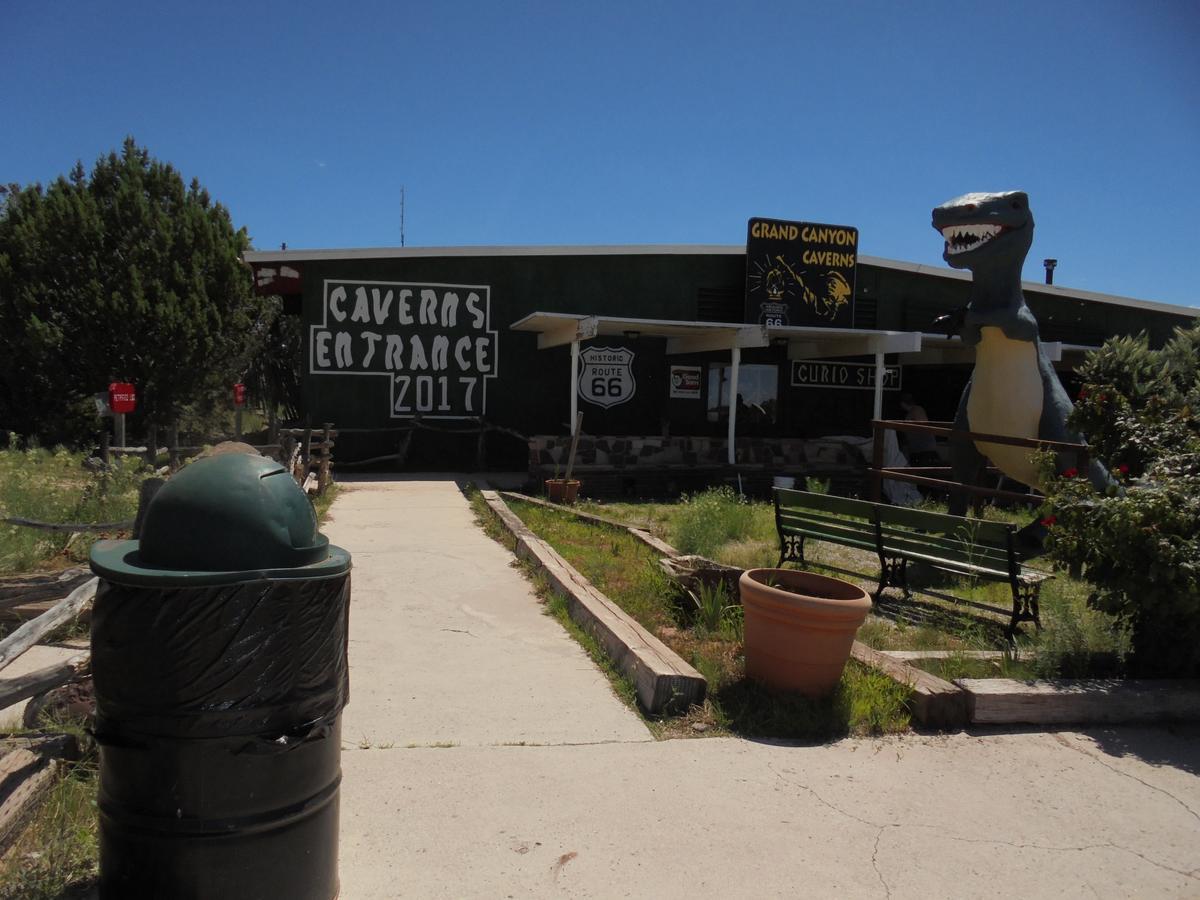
104,439
877,430
237,424
323,475
173,447
574,444
119,429
305,453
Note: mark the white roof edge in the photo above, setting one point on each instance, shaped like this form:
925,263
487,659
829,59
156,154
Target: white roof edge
528,322
467,250
282,256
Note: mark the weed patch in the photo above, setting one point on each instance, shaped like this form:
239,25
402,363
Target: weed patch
56,856
53,486
708,520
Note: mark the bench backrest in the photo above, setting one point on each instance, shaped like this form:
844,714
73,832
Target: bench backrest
826,517
975,542
911,532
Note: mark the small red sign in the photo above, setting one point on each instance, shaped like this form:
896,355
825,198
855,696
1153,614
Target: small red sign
239,394
122,398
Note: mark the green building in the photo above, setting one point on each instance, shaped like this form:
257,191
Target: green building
469,357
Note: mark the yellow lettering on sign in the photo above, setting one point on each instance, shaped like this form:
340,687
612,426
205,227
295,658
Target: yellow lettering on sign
827,258
840,237
778,231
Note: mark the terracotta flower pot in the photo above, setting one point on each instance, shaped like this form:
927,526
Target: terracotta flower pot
560,490
799,627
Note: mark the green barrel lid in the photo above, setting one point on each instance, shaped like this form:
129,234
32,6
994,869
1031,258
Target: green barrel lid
227,518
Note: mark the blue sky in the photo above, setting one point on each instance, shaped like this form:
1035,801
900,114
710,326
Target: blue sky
630,123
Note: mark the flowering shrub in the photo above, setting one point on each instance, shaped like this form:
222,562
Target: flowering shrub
1141,412
1138,404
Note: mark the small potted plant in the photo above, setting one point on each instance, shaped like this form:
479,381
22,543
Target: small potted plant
799,627
565,490
562,490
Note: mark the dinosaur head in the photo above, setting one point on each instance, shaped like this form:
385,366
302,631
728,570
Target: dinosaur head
984,230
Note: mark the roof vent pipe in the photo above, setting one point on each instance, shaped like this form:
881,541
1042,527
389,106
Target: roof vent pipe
1049,264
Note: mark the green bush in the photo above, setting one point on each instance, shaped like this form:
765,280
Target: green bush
1142,551
1140,546
1137,404
710,519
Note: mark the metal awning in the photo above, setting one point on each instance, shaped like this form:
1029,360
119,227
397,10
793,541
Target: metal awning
803,342
938,349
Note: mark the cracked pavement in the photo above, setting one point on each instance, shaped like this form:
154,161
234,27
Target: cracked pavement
484,756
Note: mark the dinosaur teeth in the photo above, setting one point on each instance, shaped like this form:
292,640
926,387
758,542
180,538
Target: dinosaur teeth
960,238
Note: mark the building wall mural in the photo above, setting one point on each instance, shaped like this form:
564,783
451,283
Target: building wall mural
433,342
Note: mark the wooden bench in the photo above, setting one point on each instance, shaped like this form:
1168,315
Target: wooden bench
897,535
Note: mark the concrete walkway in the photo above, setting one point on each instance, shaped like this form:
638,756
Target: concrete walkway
484,756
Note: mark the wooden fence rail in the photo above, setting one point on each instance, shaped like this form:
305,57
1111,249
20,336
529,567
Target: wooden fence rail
922,474
307,452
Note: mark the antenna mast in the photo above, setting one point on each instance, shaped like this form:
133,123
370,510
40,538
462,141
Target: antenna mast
401,215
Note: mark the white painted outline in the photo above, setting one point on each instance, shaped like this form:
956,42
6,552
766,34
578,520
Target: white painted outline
391,376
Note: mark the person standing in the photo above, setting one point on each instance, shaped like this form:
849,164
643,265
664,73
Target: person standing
921,446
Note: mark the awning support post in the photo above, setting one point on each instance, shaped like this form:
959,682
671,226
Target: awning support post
575,382
879,372
736,355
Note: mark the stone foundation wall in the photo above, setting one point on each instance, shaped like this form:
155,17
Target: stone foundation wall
653,466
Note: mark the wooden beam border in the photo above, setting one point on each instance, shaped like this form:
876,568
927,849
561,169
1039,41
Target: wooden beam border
665,684
935,703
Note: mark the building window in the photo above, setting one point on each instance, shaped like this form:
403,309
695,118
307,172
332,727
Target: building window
758,394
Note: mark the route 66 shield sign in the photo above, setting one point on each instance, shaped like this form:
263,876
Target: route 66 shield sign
606,377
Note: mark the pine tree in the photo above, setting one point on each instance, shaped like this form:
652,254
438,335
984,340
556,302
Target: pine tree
127,274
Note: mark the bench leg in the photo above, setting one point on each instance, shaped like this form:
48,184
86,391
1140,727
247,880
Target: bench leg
791,549
893,571
1025,607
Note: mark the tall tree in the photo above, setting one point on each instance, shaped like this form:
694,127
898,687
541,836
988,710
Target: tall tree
125,273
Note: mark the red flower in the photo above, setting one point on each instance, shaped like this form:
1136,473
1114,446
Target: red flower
1071,473
1048,521
1083,393
1102,397
1123,469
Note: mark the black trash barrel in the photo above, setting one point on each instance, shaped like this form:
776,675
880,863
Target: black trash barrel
219,663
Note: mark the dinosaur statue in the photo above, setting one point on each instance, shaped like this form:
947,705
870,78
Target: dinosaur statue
1013,390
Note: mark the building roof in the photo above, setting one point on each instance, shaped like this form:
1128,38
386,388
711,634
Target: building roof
556,329
284,256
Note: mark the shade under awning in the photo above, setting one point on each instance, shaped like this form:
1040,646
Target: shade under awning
803,342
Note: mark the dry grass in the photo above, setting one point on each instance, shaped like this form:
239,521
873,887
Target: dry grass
53,486
56,855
